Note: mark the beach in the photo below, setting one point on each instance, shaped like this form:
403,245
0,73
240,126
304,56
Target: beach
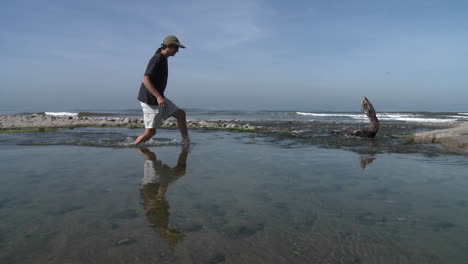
453,135
305,132
264,190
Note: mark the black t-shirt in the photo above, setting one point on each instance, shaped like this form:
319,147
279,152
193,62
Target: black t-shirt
157,71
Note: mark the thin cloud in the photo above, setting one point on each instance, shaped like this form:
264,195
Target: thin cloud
208,24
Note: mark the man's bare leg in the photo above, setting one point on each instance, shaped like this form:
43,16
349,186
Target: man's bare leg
182,123
147,134
148,154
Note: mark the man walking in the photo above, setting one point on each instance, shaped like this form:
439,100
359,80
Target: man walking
156,107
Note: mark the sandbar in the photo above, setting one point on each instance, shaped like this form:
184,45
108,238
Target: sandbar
455,139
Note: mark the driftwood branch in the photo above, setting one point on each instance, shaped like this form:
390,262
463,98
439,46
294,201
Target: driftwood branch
369,110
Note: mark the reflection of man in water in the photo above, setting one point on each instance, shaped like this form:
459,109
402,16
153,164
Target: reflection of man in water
156,179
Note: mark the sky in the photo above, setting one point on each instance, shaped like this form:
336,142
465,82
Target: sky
409,55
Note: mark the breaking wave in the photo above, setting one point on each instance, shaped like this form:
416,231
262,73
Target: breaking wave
61,113
383,116
329,115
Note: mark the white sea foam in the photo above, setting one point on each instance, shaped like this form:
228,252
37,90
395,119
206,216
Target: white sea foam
463,113
384,116
413,118
328,115
161,142
421,120
61,113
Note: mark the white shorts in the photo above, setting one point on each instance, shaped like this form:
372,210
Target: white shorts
156,172
154,115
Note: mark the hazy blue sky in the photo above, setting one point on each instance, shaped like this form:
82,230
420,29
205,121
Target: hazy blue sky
243,54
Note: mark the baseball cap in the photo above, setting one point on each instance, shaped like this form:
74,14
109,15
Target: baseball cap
171,39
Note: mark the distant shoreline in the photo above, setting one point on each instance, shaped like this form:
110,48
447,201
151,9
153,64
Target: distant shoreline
40,120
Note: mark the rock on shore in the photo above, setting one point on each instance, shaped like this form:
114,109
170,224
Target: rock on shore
46,121
455,139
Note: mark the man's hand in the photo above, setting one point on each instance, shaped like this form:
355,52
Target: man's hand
161,101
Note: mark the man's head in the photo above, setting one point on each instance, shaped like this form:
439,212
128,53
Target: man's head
171,45
172,40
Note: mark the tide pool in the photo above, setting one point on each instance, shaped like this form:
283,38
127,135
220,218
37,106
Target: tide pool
228,198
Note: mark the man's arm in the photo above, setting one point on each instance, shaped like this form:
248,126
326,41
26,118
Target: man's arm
149,86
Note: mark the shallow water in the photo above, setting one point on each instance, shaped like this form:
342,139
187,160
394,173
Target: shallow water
228,198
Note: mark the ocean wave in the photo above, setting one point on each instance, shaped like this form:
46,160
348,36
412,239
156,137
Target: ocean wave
98,114
90,114
384,116
459,117
61,113
329,114
420,120
463,113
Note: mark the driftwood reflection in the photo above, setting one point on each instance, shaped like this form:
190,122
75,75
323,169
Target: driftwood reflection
366,160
